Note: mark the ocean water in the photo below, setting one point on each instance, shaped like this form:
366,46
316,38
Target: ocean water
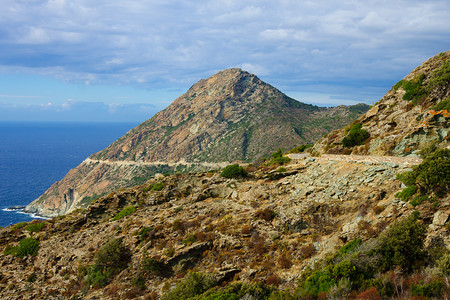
35,155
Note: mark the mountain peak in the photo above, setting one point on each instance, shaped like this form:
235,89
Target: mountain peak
228,117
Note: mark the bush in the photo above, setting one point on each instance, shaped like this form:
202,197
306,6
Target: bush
152,266
35,227
443,264
432,289
27,247
145,233
157,186
19,226
193,284
441,76
241,290
278,158
356,136
443,105
407,193
124,212
110,259
403,244
233,171
113,255
97,277
300,148
414,89
432,175
191,238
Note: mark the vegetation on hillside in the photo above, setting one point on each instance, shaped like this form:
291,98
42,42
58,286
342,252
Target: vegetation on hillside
429,180
355,136
418,88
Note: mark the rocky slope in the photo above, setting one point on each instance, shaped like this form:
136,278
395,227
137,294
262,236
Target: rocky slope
411,116
266,227
252,236
231,116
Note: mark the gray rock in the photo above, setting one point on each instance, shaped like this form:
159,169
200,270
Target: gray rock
440,218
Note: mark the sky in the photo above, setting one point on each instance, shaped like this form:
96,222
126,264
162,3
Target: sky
124,60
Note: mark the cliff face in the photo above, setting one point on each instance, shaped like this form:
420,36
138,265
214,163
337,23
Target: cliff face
231,116
411,116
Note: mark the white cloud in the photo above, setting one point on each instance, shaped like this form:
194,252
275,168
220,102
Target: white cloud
158,44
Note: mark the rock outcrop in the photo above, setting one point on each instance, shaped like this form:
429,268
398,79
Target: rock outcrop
231,116
405,120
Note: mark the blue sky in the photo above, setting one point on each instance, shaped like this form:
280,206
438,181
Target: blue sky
110,60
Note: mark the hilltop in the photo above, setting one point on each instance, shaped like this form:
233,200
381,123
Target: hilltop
231,116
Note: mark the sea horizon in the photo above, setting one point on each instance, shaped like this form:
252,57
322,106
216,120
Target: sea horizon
35,154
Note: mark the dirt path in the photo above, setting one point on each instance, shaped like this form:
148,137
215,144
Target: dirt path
404,161
156,163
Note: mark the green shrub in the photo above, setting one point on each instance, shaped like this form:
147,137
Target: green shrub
407,193
157,186
144,233
443,105
110,259
189,239
19,226
233,171
193,284
432,289
443,264
97,277
441,76
300,148
320,281
113,256
152,266
9,250
403,244
349,247
278,158
35,227
124,212
419,199
27,247
356,136
241,290
414,89
432,175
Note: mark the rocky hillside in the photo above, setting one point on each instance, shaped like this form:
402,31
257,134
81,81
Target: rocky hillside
410,117
231,116
327,227
264,229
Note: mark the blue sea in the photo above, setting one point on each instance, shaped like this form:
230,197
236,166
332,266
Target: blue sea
35,155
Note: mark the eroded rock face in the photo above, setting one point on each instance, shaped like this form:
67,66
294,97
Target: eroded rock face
207,223
231,116
397,126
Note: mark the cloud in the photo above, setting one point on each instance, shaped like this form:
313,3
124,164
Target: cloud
160,44
75,111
